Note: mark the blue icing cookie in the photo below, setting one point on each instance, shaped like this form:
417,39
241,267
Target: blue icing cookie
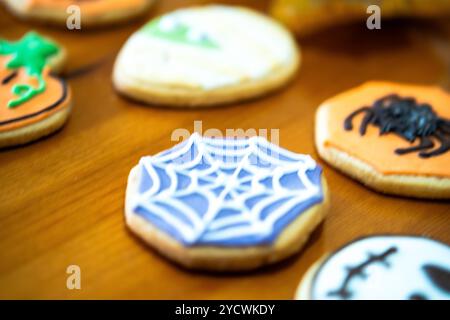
225,192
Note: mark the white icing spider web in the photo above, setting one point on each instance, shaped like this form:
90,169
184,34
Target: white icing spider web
226,191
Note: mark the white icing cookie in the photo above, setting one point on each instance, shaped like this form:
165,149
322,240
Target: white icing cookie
384,267
225,204
205,55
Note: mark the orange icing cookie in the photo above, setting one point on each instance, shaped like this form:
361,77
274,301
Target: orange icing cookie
379,150
28,92
79,13
88,6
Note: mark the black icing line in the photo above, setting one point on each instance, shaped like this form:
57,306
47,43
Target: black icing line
358,271
337,251
46,109
439,276
9,77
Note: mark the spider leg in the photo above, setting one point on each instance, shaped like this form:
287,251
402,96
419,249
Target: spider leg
348,121
445,127
445,146
365,122
425,143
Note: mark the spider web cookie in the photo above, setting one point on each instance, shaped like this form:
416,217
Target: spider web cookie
224,193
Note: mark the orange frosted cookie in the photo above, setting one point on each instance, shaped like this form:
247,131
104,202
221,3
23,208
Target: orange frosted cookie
394,138
92,12
33,103
309,16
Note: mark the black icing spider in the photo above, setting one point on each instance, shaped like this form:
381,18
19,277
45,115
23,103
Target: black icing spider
408,119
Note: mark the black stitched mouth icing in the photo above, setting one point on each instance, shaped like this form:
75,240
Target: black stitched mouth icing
408,119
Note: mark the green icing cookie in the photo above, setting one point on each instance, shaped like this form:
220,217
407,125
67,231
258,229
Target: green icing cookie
31,53
179,33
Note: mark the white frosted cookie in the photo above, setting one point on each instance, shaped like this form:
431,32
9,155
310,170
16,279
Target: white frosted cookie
92,12
205,56
387,267
392,137
33,101
225,204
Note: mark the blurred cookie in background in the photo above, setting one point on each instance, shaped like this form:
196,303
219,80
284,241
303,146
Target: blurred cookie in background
204,56
91,12
308,16
394,138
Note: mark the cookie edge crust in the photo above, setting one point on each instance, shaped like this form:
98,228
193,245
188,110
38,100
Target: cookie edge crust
178,97
212,258
173,96
59,17
417,186
36,130
303,291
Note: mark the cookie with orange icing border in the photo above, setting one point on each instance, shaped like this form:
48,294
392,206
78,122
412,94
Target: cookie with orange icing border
33,102
93,12
394,138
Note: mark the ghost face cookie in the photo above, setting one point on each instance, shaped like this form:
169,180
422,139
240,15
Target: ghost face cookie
394,138
225,204
204,56
33,102
92,12
387,267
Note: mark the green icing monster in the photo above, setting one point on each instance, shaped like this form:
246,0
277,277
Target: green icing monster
177,32
31,53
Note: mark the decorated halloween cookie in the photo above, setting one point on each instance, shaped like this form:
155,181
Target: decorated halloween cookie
33,102
225,204
394,138
204,56
387,267
308,16
92,12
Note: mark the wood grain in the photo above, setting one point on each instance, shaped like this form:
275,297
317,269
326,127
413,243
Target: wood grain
61,199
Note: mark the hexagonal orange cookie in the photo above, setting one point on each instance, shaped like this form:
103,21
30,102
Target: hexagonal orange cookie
394,138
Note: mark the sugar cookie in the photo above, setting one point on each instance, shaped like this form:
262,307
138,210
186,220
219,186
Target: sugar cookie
92,12
225,204
33,102
309,16
387,267
205,56
394,138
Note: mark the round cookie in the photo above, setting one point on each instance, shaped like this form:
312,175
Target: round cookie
33,102
225,204
205,56
388,267
394,138
93,12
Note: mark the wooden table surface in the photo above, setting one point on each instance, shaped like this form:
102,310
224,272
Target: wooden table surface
61,199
